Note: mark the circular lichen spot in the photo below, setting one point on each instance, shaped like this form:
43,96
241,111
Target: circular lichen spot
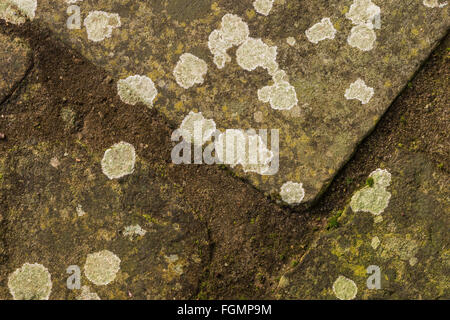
30,282
136,89
101,267
344,288
292,192
118,161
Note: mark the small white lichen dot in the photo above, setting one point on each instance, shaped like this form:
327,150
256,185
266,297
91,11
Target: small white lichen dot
321,31
190,70
291,41
99,25
344,288
118,161
292,192
101,267
30,282
136,89
362,37
263,6
134,230
360,91
375,242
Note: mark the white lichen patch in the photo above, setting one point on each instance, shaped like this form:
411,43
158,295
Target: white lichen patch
197,129
135,89
239,147
360,91
373,199
291,41
254,53
344,288
134,231
80,211
101,267
321,31
17,11
232,32
86,294
174,267
434,4
30,282
118,161
362,37
263,6
99,25
363,12
190,70
281,95
375,242
292,192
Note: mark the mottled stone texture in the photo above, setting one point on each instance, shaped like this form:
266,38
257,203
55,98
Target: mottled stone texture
15,60
320,134
410,246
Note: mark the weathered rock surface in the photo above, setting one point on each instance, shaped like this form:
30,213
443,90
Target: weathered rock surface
319,134
15,60
408,242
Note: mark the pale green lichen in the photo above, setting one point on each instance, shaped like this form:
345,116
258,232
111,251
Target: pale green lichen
197,129
86,294
321,31
118,161
344,288
101,267
291,41
254,53
360,91
135,89
373,199
362,37
99,25
30,282
133,231
246,148
232,32
190,70
17,11
434,4
363,12
292,192
281,95
375,242
263,6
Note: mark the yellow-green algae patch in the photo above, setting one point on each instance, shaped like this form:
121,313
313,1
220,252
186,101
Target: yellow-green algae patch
101,267
30,282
